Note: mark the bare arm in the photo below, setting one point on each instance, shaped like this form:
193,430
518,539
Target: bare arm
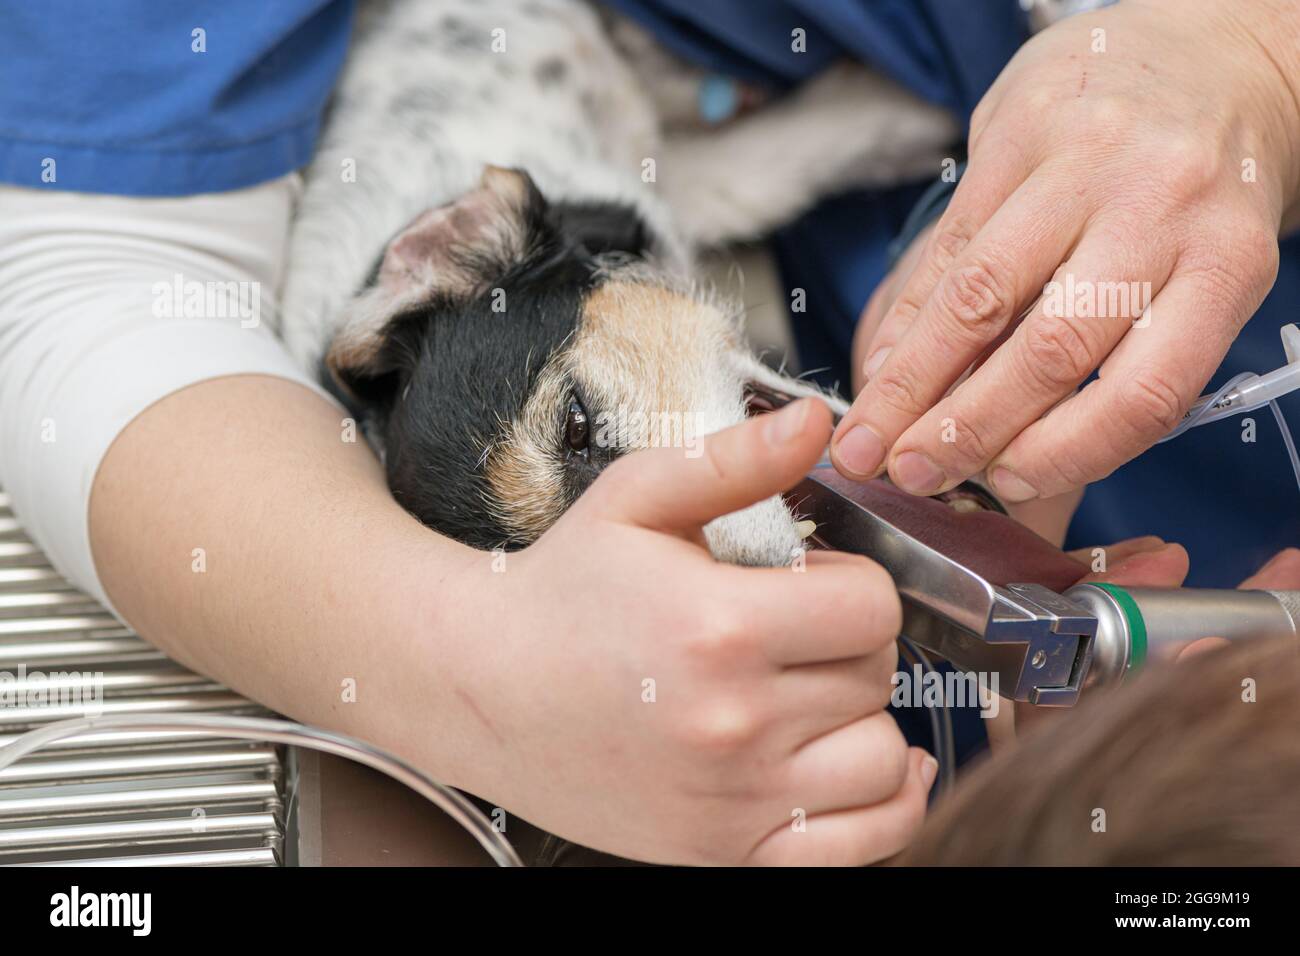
312,575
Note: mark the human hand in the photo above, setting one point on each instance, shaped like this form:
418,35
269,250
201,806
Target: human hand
1160,167
769,686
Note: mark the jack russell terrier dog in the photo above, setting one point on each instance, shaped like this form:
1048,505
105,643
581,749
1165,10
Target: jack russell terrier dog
494,252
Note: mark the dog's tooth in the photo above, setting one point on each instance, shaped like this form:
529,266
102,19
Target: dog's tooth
805,528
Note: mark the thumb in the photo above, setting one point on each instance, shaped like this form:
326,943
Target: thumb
664,489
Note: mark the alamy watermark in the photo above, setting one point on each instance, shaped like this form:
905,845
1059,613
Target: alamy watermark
133,911
191,299
922,687
1085,299
630,428
77,692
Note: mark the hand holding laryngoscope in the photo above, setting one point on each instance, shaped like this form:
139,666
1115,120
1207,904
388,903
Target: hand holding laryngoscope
987,595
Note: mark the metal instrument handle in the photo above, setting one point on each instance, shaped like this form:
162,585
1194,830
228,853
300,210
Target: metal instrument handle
1139,624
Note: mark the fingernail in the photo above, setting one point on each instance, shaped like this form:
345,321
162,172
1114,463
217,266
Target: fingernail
915,472
875,360
860,451
786,425
1010,487
929,770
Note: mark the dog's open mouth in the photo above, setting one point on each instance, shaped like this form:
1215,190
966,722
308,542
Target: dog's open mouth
761,399
967,497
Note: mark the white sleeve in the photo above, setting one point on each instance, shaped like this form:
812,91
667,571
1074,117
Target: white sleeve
108,304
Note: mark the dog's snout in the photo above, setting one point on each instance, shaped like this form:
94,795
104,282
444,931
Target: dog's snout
762,535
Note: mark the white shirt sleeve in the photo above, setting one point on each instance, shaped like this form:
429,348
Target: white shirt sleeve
108,304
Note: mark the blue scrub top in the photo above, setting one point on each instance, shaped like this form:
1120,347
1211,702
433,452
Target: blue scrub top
148,98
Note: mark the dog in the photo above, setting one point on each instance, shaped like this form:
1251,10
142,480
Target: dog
492,264
495,244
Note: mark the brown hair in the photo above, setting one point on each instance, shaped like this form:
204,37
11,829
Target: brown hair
1193,764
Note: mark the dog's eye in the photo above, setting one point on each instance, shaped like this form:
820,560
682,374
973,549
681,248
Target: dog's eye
576,432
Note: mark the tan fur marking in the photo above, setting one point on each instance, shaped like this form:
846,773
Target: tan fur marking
522,470
653,348
639,346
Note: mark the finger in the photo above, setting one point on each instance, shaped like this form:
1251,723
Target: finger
833,609
1164,567
1113,554
810,699
886,294
1144,390
663,488
859,836
984,290
856,764
1082,314
869,323
1280,573
1204,646
984,187
880,305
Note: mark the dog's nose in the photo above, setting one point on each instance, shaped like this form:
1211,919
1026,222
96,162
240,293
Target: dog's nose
762,535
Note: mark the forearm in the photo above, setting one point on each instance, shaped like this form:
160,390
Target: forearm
235,528
187,428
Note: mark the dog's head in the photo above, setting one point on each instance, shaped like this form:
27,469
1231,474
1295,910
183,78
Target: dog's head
508,349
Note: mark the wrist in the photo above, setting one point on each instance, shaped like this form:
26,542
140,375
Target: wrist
429,635
1273,27
1264,38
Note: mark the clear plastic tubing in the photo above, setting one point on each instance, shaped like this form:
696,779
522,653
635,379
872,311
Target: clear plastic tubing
455,804
1247,392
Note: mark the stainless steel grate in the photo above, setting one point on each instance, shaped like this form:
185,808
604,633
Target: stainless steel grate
126,798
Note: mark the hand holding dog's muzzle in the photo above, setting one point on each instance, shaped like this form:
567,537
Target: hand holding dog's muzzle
733,714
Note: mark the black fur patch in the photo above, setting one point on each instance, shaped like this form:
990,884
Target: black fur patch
602,227
453,369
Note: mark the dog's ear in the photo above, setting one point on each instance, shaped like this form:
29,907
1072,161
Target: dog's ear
450,252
